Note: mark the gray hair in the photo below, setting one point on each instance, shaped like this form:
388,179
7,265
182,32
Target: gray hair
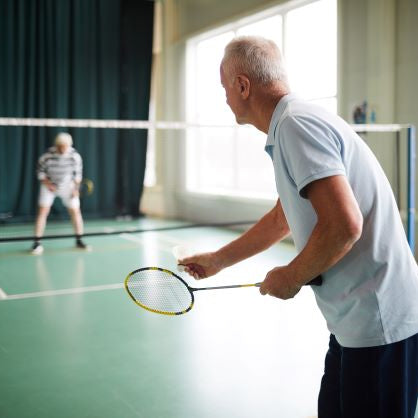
256,57
64,138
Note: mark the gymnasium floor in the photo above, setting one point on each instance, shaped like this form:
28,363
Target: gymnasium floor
72,343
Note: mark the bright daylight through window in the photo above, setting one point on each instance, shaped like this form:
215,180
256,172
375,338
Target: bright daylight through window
231,161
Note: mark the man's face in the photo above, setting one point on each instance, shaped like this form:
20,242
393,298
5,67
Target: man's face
62,148
233,97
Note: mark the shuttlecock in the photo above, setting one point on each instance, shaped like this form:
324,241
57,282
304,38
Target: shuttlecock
179,252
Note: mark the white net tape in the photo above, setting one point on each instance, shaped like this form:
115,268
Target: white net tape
103,123
143,124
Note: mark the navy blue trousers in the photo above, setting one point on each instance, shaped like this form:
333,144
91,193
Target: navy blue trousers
372,382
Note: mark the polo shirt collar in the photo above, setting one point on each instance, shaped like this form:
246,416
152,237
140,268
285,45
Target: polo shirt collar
277,114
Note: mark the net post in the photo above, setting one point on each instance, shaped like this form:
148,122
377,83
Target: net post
411,187
398,170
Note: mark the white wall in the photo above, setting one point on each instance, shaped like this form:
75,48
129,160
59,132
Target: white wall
406,65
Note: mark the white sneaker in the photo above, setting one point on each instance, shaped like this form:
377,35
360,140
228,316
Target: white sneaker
37,249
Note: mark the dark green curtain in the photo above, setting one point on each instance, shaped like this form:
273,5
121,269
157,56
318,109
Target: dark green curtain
75,59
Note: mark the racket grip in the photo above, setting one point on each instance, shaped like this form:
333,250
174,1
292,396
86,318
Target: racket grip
317,281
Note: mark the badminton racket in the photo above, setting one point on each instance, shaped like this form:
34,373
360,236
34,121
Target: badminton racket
86,188
161,291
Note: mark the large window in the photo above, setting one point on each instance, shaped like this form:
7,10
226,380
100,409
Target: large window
231,160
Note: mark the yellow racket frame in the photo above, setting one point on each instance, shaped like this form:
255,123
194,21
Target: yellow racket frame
190,289
89,186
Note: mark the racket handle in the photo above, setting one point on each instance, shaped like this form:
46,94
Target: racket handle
317,281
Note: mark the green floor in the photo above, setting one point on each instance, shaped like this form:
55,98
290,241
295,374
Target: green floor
91,352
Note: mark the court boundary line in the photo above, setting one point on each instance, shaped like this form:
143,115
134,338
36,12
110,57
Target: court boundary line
59,292
131,230
75,290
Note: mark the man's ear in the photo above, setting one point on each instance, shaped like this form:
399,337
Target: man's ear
244,85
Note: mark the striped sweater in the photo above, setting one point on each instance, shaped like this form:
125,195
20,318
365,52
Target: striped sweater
60,169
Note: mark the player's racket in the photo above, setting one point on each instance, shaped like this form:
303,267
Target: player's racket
86,188
162,291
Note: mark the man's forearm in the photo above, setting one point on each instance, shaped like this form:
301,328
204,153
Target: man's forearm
339,225
326,246
270,229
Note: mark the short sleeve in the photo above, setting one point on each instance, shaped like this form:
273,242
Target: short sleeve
310,150
78,167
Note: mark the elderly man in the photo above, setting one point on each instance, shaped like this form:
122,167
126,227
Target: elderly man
336,201
60,174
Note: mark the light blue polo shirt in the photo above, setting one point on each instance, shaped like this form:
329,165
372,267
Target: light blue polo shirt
370,297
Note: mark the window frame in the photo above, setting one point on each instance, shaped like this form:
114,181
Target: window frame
191,93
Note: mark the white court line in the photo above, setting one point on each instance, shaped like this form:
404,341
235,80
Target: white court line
140,240
77,290
74,290
165,243
167,239
133,238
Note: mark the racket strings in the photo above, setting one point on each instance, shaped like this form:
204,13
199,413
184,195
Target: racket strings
159,291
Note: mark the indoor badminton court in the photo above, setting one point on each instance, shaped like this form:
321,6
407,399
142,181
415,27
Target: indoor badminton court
138,146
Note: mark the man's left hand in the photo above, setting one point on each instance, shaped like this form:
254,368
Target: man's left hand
279,283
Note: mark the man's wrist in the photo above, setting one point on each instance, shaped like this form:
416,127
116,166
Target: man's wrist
221,258
300,275
296,275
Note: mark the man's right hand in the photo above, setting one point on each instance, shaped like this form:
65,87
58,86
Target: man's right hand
203,265
50,186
